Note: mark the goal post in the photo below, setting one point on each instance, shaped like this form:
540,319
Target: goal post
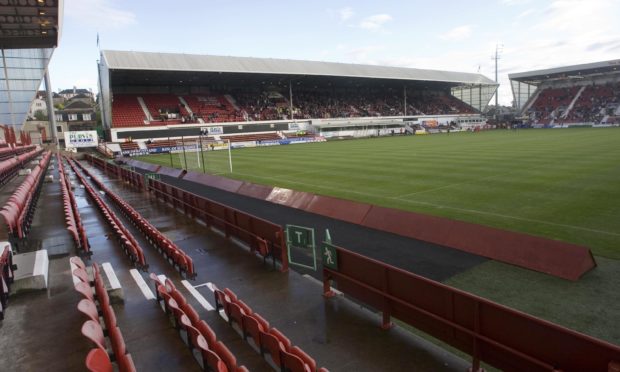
205,155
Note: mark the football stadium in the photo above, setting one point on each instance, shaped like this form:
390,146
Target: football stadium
255,214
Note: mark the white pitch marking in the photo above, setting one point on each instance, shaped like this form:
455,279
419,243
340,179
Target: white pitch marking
146,291
202,285
211,287
337,292
201,300
109,271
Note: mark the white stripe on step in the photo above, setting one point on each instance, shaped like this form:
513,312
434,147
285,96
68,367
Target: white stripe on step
201,300
146,291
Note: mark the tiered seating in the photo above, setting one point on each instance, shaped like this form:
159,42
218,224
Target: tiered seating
10,152
126,111
19,209
105,151
161,143
12,163
268,340
550,100
6,276
129,146
214,355
72,215
593,103
175,255
212,108
129,244
96,307
159,104
252,137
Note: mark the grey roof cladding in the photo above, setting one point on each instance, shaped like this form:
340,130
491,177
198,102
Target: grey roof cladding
129,60
565,69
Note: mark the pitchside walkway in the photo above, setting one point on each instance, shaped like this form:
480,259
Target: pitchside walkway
340,335
433,261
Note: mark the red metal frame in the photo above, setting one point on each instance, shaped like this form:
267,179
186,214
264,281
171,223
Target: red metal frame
501,336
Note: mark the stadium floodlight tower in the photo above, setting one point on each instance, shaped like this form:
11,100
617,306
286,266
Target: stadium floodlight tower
28,35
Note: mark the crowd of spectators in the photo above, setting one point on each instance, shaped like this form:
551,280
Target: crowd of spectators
324,104
594,103
270,104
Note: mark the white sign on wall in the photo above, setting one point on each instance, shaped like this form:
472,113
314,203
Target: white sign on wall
211,131
84,138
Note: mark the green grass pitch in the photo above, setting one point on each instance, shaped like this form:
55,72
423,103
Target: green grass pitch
561,184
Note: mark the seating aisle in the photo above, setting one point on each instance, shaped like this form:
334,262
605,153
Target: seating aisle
149,338
327,330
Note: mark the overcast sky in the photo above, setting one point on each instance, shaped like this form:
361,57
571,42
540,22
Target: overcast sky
440,34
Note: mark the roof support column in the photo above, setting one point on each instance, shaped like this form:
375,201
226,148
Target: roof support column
50,108
290,98
404,100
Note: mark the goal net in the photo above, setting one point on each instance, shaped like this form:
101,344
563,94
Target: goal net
208,156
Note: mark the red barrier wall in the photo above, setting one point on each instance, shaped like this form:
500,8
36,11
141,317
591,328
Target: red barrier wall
214,181
153,168
172,172
255,191
564,260
234,223
501,336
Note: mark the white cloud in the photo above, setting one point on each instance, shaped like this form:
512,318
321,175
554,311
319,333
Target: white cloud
375,22
457,33
346,13
100,14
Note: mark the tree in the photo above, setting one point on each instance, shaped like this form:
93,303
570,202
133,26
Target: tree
40,115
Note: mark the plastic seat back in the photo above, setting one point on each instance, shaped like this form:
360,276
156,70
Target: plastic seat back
92,331
207,333
85,290
305,357
97,360
88,308
272,345
228,357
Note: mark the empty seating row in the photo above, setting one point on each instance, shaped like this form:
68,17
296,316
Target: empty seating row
252,137
268,340
19,209
6,276
175,255
9,167
72,214
125,238
96,305
126,111
213,354
9,152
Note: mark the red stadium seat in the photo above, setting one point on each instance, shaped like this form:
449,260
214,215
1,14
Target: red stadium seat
252,327
88,308
207,332
85,290
228,357
125,363
293,363
305,357
93,331
191,313
97,360
117,341
272,345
